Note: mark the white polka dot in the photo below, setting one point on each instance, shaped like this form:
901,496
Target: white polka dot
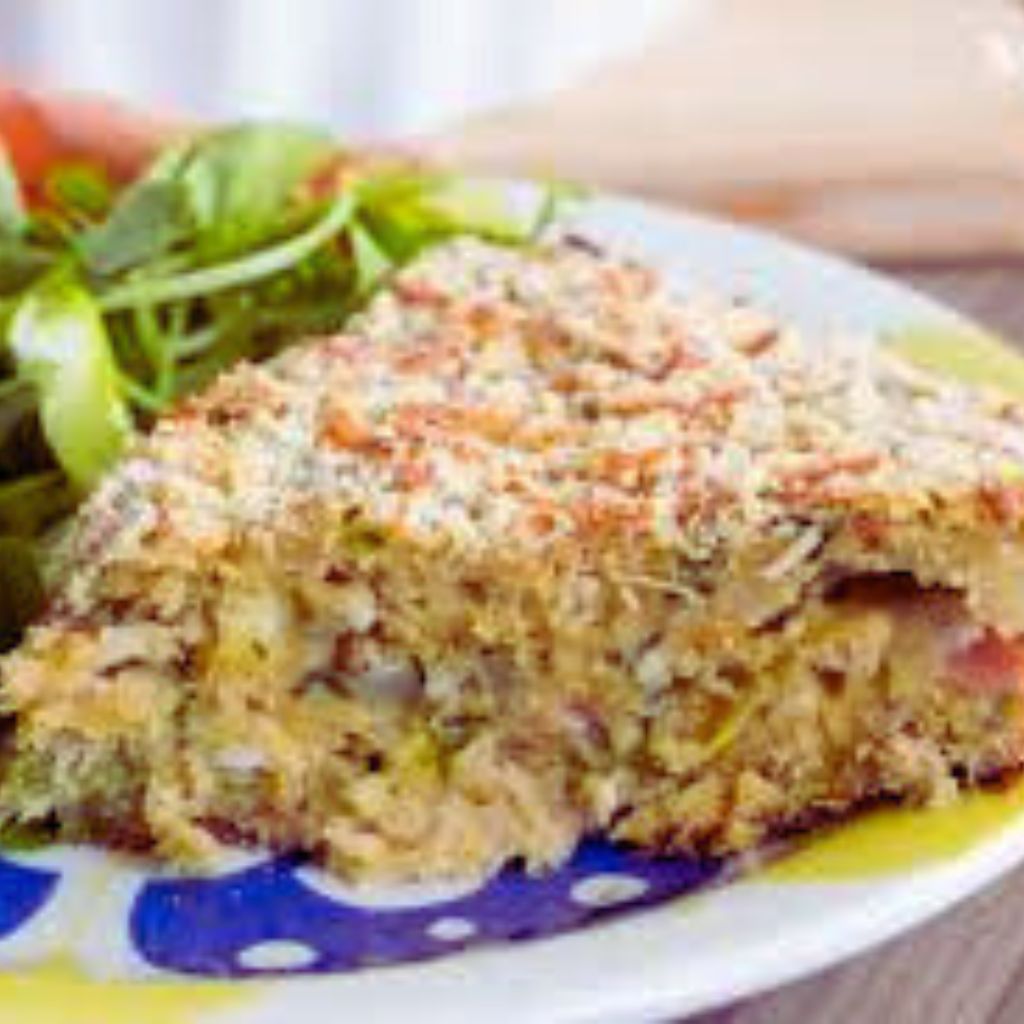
451,929
389,897
229,860
608,890
277,955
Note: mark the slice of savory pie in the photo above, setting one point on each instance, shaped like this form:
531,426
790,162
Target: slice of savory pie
534,550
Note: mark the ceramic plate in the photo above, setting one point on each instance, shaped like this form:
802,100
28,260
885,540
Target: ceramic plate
610,936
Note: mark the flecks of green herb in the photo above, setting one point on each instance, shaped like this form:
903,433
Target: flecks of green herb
361,539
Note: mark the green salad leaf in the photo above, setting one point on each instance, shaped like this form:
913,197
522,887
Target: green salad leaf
13,215
21,589
150,219
246,270
240,181
30,505
60,345
372,263
116,301
21,263
80,189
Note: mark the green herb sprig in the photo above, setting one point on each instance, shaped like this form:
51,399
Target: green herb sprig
116,302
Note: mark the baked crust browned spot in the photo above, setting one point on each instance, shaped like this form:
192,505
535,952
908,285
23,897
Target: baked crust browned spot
534,549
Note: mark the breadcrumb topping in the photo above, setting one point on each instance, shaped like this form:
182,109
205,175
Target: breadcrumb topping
528,399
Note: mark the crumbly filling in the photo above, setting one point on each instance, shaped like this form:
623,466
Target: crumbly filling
399,734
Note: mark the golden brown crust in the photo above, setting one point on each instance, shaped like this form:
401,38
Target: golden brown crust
533,549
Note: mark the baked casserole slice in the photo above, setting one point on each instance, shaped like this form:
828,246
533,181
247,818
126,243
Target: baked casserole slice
534,550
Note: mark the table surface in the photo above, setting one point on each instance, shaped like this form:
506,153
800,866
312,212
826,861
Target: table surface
967,967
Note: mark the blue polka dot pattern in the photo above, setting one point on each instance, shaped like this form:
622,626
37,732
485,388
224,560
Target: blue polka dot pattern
23,893
204,926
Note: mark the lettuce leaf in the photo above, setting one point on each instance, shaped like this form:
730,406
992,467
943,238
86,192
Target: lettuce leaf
60,345
13,215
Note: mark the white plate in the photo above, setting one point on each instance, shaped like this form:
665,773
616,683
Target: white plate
862,884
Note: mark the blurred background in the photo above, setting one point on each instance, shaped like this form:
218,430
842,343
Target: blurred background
886,128
380,68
